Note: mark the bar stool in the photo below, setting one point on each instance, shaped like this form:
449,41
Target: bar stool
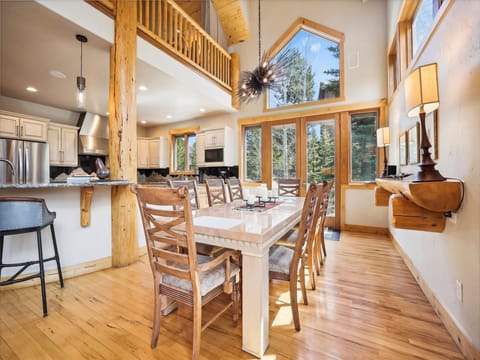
19,215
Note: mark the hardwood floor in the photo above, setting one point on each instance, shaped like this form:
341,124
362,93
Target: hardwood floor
366,306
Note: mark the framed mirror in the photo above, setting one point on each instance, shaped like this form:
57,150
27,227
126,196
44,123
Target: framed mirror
402,148
413,139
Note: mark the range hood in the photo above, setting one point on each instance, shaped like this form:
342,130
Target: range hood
93,134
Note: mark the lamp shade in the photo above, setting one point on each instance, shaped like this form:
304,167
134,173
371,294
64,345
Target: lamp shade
421,90
383,136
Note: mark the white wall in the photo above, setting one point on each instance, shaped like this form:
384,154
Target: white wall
364,27
443,258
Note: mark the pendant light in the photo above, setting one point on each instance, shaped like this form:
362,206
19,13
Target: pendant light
269,74
81,81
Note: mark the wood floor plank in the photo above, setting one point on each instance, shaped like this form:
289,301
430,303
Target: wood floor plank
367,305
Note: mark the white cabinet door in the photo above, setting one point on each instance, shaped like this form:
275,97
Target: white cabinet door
154,153
214,138
33,130
9,126
70,146
63,145
142,153
54,139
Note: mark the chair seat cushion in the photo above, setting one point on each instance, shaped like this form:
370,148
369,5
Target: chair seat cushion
291,236
280,258
209,280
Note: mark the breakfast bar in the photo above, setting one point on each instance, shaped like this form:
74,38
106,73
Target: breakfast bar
83,249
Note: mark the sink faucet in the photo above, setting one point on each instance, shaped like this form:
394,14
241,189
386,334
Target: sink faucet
11,165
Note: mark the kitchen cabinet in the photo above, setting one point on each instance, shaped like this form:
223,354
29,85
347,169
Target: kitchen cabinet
200,149
216,147
19,126
63,142
152,153
215,138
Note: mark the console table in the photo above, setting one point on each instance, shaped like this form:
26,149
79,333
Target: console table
419,205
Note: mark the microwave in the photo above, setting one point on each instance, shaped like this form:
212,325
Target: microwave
214,155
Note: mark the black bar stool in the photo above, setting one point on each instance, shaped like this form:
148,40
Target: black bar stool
19,215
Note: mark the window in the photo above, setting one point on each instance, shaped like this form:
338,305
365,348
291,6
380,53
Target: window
284,153
253,154
184,150
363,145
422,22
315,73
320,150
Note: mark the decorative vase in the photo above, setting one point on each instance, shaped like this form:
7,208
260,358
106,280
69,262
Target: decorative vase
102,171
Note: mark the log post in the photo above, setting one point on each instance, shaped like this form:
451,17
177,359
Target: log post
235,80
123,133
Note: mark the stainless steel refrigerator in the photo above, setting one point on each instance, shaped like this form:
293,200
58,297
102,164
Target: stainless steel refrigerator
24,162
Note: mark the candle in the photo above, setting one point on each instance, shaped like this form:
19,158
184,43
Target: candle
251,199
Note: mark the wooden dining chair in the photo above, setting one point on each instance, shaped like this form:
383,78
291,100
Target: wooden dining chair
310,256
192,190
288,264
215,191
320,232
288,187
184,277
204,249
235,189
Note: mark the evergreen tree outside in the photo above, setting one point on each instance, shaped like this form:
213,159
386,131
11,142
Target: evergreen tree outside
284,152
253,154
331,88
363,147
321,155
192,152
298,86
180,153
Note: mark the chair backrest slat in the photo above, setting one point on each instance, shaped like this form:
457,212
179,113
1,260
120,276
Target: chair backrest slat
215,191
235,189
288,187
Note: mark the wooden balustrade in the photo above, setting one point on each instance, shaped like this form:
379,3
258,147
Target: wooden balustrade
166,25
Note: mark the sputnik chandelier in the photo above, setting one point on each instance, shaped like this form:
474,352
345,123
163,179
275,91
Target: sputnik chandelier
269,73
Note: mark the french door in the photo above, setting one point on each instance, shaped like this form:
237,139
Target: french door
306,149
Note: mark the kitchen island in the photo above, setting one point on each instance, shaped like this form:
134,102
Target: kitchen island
82,249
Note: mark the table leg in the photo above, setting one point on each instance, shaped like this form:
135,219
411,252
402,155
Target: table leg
255,299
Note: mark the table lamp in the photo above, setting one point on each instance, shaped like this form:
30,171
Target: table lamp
421,93
383,140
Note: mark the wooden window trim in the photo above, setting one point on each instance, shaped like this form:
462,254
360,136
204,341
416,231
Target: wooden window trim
172,134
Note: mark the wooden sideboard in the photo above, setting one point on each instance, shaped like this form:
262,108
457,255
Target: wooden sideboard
419,205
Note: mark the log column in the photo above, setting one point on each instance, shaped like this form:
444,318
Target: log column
123,133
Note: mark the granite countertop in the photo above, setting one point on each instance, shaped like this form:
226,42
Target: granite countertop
64,184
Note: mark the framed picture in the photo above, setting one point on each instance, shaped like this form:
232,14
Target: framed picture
431,124
413,139
402,148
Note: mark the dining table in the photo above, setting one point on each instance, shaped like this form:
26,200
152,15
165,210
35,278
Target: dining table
251,229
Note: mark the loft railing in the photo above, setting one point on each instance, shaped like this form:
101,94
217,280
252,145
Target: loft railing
167,26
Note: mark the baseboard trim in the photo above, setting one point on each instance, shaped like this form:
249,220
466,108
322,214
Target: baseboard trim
70,271
365,229
463,341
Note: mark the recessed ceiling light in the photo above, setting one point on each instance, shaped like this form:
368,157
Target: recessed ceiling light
57,74
142,88
202,110
143,122
32,89
107,113
169,116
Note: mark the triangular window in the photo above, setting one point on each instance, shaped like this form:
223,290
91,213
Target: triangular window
316,72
